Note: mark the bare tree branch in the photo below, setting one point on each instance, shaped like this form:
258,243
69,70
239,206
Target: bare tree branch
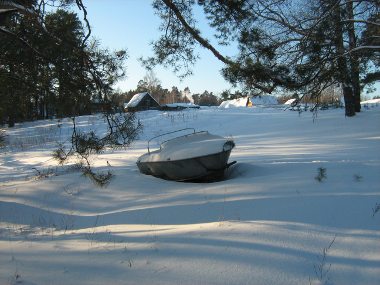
83,8
24,42
362,21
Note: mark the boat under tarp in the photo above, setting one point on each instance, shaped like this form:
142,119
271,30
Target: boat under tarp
195,156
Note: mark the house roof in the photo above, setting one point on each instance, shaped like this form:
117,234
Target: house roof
136,99
182,105
5,11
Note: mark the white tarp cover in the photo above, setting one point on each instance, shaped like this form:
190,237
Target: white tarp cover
193,145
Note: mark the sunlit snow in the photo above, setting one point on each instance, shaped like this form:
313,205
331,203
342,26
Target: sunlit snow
271,222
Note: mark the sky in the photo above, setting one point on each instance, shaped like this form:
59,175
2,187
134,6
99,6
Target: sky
132,25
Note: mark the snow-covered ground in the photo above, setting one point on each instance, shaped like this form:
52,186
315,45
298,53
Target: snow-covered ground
299,207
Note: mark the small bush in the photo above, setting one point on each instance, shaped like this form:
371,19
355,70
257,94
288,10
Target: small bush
375,209
122,130
101,179
44,173
321,176
358,177
322,268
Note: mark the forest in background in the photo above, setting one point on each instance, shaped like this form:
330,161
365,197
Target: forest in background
50,66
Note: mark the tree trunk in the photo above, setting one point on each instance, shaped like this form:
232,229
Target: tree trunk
354,62
11,104
342,69
349,101
11,107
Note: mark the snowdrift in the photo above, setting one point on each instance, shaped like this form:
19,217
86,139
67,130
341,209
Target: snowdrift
301,206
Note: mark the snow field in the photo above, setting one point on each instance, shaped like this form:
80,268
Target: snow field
270,222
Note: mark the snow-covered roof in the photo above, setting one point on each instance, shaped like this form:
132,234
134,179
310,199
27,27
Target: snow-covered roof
183,105
242,102
371,101
290,101
4,11
136,99
264,100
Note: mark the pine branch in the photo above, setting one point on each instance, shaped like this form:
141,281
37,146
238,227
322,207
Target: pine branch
205,43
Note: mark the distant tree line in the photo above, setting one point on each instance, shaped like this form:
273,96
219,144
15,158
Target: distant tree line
150,83
329,97
48,67
161,95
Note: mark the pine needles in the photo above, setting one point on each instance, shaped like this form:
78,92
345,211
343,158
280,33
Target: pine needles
122,130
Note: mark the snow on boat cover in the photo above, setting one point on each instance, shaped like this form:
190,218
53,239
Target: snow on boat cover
199,155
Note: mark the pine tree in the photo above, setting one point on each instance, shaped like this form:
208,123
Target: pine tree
282,44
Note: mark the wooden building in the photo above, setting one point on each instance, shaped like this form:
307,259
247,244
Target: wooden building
140,102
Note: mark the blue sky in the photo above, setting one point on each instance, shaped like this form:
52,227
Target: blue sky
132,24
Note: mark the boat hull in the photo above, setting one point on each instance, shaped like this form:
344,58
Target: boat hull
204,168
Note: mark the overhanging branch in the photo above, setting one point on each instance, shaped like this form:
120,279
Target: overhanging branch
205,43
195,34
24,42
